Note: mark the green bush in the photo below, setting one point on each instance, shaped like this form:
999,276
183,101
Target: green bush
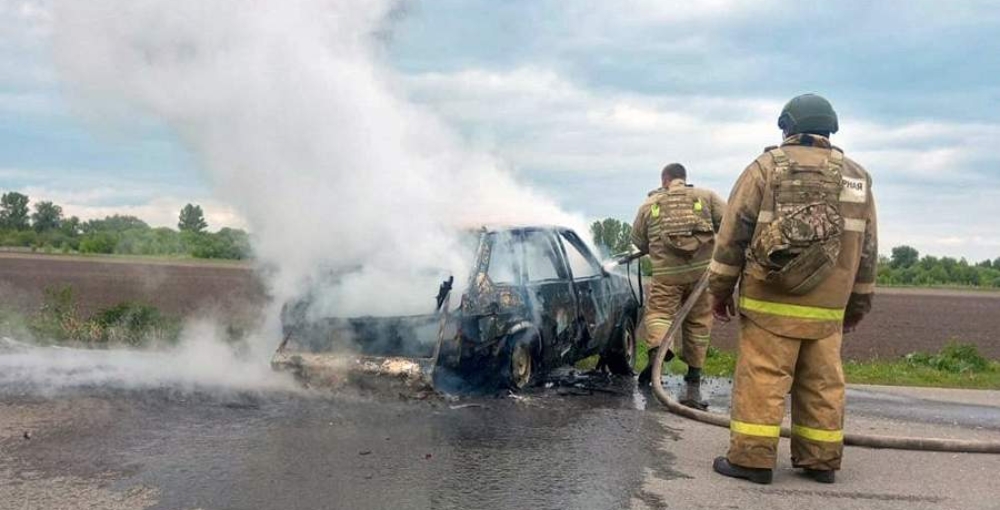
228,243
59,320
99,242
133,324
957,358
25,238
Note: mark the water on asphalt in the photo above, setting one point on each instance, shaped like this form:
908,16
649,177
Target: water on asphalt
578,443
199,441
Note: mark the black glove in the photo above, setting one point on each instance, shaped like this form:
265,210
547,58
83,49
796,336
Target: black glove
851,322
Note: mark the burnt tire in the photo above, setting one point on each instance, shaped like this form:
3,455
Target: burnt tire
619,357
519,363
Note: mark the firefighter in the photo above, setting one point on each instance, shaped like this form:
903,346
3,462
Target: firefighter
800,236
676,226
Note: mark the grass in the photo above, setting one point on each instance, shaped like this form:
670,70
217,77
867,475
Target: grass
59,321
957,365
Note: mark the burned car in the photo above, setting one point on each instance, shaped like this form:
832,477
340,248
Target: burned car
536,298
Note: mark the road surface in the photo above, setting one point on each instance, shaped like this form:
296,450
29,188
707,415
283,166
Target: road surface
113,433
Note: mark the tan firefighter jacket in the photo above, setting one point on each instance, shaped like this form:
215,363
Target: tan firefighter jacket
846,288
676,226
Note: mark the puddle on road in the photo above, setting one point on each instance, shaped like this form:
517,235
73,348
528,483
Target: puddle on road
582,442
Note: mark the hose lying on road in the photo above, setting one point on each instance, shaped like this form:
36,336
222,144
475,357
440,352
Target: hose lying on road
866,440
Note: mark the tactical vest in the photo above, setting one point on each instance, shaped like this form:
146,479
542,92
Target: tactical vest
800,224
681,216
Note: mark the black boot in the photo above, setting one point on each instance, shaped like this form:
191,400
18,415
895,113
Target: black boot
821,475
693,375
646,376
755,475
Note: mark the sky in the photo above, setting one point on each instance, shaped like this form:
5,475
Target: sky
586,100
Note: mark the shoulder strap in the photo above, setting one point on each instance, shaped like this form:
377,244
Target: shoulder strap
781,165
836,160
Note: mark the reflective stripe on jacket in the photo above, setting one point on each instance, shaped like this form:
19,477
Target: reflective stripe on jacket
846,291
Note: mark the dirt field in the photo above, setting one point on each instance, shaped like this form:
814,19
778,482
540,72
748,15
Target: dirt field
177,288
907,320
904,320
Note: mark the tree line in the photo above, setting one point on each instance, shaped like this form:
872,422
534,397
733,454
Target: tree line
904,266
43,227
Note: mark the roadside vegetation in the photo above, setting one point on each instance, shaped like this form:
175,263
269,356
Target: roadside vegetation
956,365
59,321
128,324
42,227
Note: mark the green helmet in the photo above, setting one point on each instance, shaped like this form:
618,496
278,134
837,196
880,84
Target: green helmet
808,113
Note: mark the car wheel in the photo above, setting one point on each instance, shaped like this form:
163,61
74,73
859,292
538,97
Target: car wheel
619,357
520,364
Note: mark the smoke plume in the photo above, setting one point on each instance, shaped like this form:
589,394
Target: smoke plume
299,122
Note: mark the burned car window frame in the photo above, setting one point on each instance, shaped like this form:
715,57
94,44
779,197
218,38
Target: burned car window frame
577,244
551,252
508,243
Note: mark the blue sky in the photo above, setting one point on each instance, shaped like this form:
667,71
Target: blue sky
586,100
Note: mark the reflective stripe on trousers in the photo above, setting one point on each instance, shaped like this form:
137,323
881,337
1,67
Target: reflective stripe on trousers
760,430
755,429
823,436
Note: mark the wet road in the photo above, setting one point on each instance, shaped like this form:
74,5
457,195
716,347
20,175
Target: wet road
555,448
92,430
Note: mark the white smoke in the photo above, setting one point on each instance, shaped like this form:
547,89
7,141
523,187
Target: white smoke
199,362
299,123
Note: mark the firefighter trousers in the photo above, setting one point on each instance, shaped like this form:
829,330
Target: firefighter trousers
661,308
767,368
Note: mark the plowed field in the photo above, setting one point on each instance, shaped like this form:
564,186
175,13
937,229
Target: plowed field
908,320
904,320
177,288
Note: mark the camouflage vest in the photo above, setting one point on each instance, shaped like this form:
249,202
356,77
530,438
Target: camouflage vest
797,248
680,216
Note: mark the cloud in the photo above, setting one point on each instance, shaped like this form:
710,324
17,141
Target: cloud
601,149
589,99
26,26
659,12
544,122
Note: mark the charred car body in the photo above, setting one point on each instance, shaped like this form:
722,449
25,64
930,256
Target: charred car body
536,298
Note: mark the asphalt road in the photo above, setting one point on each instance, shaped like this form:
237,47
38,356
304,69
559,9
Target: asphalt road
102,433
242,451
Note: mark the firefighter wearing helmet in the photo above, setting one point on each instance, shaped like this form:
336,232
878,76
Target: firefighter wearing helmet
800,238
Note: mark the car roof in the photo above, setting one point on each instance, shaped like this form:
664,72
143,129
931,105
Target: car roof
491,228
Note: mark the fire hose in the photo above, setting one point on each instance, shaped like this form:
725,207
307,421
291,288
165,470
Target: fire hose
865,440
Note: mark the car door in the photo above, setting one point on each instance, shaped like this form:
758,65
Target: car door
550,294
592,290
